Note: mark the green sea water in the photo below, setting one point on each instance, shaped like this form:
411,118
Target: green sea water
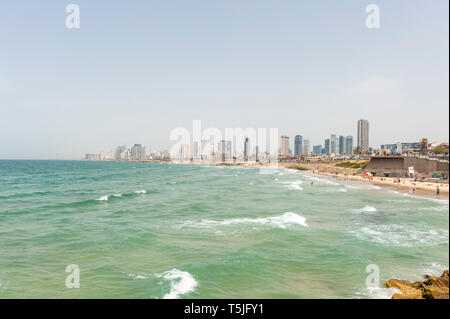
141,230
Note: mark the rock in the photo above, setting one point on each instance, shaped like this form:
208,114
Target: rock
407,289
431,288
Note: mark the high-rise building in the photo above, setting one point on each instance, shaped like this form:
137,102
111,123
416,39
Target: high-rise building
246,148
298,145
224,152
341,144
206,149
185,152
333,144
306,148
327,146
284,145
195,149
363,135
349,145
119,151
317,149
138,152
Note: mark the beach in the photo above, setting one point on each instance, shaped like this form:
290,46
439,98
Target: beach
402,184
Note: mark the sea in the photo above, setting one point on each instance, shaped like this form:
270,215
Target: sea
81,229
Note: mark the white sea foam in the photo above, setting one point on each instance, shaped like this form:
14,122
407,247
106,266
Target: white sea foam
282,221
134,276
323,180
401,235
294,184
378,293
141,192
434,269
181,282
367,208
106,197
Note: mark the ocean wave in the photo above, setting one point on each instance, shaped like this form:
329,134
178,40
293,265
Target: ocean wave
400,235
434,269
367,186
135,276
181,283
378,293
293,184
107,197
324,181
282,221
367,209
141,192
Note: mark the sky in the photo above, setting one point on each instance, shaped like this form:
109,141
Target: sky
136,70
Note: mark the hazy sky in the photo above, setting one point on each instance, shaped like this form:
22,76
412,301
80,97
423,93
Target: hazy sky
137,69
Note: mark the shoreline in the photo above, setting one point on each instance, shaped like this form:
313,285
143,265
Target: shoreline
406,185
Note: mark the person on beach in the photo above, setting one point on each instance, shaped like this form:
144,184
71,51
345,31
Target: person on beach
438,191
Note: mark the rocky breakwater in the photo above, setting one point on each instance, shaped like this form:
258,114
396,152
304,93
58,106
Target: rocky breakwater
431,288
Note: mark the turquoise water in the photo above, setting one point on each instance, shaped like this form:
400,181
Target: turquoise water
141,230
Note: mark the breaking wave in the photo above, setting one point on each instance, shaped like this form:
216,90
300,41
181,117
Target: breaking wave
282,221
181,282
402,236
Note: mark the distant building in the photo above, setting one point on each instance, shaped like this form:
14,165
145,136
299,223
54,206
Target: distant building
284,145
225,153
91,157
333,144
185,152
400,148
342,142
363,135
327,146
206,149
119,151
317,150
195,149
138,152
306,148
246,148
349,145
298,145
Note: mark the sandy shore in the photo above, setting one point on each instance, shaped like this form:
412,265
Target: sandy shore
407,185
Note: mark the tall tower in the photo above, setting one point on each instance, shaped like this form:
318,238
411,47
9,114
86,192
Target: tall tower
246,149
298,145
363,135
349,145
284,145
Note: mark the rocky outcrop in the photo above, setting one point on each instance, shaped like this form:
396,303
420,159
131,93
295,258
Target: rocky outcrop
431,288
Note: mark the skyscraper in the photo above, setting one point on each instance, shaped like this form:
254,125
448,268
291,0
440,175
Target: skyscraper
317,150
333,144
349,145
327,146
284,145
298,145
246,148
363,135
138,152
224,152
119,151
341,144
306,148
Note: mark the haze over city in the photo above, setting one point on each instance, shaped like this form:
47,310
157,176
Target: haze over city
132,73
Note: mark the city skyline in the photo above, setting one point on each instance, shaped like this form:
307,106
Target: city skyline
305,68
